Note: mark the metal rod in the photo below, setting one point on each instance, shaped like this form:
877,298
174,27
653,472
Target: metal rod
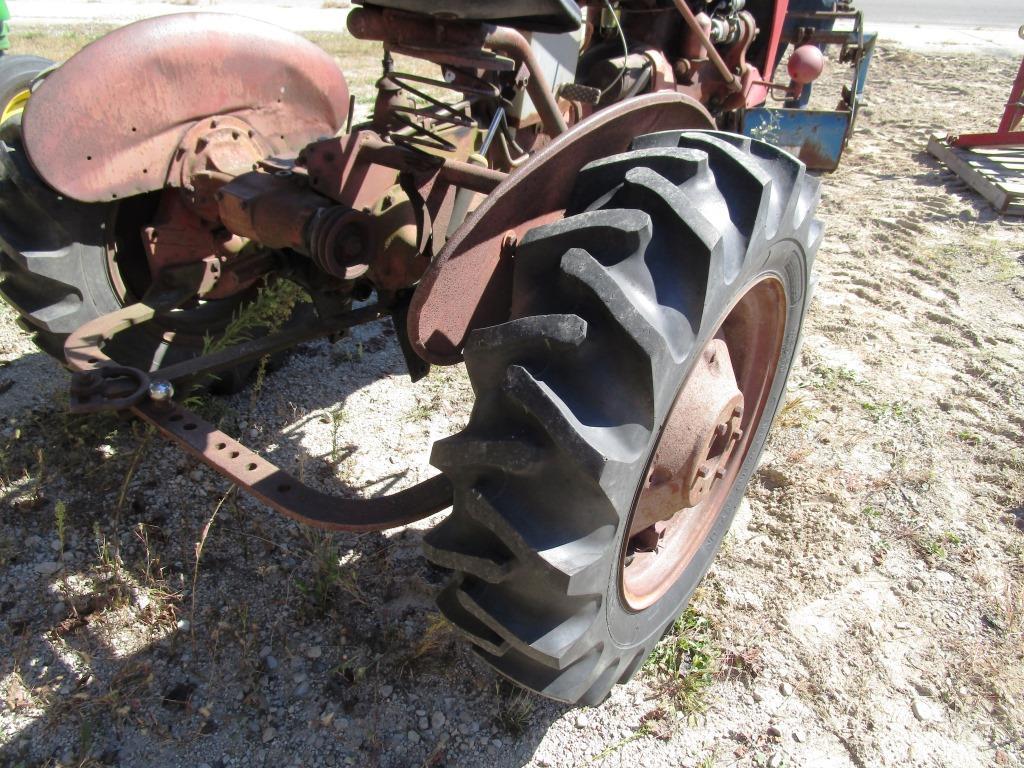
455,172
254,349
511,42
691,21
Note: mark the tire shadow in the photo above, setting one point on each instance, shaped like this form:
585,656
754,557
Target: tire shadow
283,646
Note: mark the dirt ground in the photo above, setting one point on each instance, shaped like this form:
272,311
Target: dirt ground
866,610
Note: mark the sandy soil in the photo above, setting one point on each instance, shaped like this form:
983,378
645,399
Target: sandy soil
866,610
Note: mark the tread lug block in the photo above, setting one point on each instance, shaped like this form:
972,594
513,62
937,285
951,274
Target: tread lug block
463,545
593,446
608,236
573,553
807,203
552,635
567,685
511,455
527,340
695,260
662,139
467,624
585,271
745,186
602,686
676,165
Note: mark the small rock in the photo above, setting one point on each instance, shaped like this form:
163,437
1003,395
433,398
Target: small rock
859,567
35,541
302,689
424,724
271,663
314,652
299,677
56,546
916,584
386,691
184,625
437,721
268,734
799,737
757,696
775,761
47,568
903,625
774,732
413,737
497,743
926,711
582,721
196,475
926,690
786,689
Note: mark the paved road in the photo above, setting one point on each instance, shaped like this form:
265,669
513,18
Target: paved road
993,14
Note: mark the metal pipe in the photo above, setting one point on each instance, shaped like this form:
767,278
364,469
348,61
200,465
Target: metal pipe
427,34
455,172
512,42
731,80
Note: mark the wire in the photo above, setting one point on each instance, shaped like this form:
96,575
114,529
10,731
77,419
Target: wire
625,50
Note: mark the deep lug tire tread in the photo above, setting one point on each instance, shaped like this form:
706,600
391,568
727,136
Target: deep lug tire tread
533,537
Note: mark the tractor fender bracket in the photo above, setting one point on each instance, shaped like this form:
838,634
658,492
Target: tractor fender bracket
108,123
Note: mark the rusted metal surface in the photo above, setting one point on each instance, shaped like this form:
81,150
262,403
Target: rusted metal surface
703,443
422,35
469,284
342,241
108,123
212,153
178,236
700,32
271,208
697,442
103,384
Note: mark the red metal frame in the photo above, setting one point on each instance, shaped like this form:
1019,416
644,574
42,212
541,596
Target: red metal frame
1013,116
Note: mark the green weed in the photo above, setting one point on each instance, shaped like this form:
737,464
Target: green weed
685,662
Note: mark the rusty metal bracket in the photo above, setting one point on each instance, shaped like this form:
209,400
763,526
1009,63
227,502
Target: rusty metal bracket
99,383
280,490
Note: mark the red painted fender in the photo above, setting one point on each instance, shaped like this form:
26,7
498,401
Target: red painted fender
108,122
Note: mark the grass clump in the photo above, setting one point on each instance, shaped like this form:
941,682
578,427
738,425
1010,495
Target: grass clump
684,664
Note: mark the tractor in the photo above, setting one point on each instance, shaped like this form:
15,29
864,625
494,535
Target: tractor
577,207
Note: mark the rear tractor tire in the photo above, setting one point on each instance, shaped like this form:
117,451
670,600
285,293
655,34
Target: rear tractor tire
621,411
64,263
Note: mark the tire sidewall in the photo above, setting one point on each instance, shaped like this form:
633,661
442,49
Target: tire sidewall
787,261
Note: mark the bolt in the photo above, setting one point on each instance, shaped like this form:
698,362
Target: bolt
161,391
509,241
720,473
721,429
704,471
737,412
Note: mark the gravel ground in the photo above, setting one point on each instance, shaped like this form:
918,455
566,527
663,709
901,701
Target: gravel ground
866,610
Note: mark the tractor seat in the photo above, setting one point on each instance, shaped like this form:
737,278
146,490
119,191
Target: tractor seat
529,15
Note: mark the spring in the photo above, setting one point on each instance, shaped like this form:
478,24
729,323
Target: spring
422,126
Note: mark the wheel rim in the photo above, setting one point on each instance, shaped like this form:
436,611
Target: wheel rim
702,445
15,106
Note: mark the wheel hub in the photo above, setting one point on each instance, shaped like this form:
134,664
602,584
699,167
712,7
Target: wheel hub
703,443
702,432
